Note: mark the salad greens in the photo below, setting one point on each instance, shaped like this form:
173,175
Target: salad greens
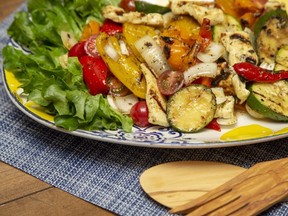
61,91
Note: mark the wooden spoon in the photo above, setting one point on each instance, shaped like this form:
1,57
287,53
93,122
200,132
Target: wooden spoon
176,183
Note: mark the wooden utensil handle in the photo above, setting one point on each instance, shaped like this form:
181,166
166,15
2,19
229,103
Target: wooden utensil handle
263,176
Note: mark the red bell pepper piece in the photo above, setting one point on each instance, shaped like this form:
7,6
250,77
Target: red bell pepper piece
77,50
206,34
95,74
111,28
213,125
207,81
253,73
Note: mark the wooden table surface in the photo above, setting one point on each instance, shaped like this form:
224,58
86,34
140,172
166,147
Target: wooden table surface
22,194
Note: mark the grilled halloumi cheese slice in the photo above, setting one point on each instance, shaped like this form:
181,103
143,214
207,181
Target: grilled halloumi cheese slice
225,112
272,5
156,102
118,15
215,15
240,89
239,47
225,107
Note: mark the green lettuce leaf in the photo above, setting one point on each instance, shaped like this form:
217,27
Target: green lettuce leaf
60,90
40,27
85,9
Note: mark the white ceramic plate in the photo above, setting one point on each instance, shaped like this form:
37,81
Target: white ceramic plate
246,131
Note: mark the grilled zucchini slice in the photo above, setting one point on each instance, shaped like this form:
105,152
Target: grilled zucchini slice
282,59
270,99
271,34
152,6
191,108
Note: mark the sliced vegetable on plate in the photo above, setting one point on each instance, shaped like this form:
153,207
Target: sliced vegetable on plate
271,34
270,99
152,6
191,108
107,65
125,67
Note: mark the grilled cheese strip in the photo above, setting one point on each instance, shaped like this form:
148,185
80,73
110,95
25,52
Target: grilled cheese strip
215,15
223,79
156,102
210,3
225,107
240,89
272,5
239,47
225,112
232,85
118,15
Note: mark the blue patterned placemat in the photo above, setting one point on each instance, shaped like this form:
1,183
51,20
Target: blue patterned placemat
105,174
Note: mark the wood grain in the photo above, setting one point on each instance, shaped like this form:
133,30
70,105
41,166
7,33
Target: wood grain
176,183
249,193
23,195
15,184
7,7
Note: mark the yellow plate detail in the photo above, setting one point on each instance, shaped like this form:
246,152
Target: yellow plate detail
247,132
13,85
250,132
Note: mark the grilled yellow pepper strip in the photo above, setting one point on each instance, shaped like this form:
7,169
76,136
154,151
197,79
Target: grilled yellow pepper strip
133,33
126,68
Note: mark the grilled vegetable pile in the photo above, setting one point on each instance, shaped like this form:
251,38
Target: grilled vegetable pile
188,65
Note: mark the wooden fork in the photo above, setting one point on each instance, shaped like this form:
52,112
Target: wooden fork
249,193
